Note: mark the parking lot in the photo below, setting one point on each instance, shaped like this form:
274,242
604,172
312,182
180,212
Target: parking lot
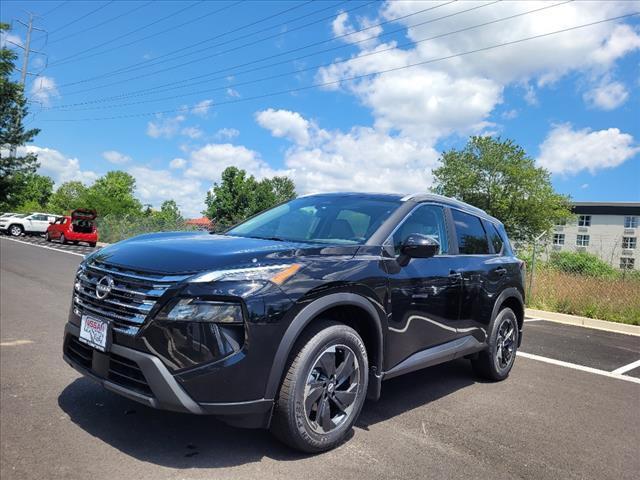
570,408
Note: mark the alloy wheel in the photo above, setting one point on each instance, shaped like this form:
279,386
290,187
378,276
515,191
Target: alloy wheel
506,343
331,389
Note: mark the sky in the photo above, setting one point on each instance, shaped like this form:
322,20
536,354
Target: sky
338,95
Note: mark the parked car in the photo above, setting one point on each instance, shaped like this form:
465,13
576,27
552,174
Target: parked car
291,319
36,223
80,226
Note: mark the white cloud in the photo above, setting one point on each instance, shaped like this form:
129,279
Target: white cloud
192,132
156,186
347,33
510,114
607,96
202,108
43,90
209,161
177,163
116,157
584,185
363,159
233,93
6,38
569,151
57,166
284,123
456,96
226,133
165,127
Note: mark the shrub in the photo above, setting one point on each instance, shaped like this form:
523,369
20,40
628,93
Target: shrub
581,263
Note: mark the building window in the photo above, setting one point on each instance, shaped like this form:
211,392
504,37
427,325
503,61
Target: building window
561,223
558,239
627,263
584,221
628,242
630,222
582,240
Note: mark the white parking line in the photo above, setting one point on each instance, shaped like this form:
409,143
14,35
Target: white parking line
627,368
575,366
43,246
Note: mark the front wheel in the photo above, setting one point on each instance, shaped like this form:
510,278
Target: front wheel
63,240
47,237
496,362
16,230
323,390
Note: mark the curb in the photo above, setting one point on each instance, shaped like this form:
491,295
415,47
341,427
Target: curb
584,322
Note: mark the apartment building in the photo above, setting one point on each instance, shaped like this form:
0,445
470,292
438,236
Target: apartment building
609,230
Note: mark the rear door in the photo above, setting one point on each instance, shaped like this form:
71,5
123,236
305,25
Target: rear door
481,270
424,298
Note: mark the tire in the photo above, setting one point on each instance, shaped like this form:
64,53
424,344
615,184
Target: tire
308,389
495,363
16,230
47,237
63,240
92,244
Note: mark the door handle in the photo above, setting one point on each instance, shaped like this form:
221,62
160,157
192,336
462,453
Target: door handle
500,271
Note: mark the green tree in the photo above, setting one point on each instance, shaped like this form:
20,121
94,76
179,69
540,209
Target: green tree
68,197
499,177
113,194
168,217
239,196
13,110
33,193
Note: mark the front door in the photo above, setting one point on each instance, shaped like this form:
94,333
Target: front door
425,297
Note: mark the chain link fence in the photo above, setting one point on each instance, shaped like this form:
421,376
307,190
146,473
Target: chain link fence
596,277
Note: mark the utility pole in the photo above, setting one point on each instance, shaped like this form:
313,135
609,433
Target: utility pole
25,60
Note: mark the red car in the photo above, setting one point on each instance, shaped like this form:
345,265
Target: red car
79,227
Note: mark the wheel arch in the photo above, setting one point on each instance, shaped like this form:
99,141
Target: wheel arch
368,323
511,298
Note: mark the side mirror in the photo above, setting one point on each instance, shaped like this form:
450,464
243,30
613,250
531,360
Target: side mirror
420,246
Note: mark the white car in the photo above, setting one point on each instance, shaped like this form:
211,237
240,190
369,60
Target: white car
29,224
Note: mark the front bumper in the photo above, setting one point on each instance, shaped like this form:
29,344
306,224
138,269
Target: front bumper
144,378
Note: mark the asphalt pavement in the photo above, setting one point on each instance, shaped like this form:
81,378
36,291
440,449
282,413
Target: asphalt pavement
546,421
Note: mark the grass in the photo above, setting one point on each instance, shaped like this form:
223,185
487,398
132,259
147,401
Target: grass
614,299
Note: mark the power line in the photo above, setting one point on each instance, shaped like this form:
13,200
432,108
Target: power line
150,62
182,83
50,11
355,77
171,15
72,58
376,52
104,22
82,17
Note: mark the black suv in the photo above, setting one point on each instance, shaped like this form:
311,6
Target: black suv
291,319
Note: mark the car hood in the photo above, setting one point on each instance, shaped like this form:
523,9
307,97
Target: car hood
191,252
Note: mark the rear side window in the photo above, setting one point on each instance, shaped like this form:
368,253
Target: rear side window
472,239
496,239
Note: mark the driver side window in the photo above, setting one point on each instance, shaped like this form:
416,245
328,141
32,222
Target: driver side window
426,220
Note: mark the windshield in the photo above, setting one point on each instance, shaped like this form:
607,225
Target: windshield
320,219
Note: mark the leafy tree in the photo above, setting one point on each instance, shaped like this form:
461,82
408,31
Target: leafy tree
33,193
68,197
113,194
13,109
239,196
168,217
499,177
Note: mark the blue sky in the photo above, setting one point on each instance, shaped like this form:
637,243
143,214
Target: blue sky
569,98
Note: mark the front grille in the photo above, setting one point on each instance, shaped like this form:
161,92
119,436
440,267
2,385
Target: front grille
121,371
132,297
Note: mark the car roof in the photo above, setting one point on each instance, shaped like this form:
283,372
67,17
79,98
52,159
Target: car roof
415,198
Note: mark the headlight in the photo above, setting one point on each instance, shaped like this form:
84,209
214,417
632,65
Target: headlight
196,310
277,274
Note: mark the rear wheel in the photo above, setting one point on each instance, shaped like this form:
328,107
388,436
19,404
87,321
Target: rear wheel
496,362
323,390
92,244
16,230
